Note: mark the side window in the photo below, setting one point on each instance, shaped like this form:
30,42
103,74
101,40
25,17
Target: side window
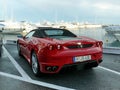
30,34
38,34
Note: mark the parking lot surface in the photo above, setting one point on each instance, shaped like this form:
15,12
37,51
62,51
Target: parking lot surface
16,73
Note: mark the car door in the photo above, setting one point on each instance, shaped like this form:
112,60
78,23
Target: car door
26,43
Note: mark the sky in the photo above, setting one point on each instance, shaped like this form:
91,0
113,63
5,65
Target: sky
92,11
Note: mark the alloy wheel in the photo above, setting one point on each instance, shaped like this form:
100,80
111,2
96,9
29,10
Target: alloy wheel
35,65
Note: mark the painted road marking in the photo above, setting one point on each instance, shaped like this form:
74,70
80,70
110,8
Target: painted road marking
107,69
18,67
44,84
25,76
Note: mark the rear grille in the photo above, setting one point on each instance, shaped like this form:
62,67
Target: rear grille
80,46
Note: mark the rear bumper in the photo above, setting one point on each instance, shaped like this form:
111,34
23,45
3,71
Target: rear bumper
55,68
91,63
53,63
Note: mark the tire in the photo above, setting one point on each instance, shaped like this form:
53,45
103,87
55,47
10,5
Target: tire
35,64
19,50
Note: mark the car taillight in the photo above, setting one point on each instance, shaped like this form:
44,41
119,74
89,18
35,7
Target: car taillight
99,44
59,47
50,47
53,47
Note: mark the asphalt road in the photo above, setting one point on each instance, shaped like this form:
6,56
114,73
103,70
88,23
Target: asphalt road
16,73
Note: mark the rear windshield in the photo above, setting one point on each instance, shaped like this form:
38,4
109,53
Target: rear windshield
58,32
54,32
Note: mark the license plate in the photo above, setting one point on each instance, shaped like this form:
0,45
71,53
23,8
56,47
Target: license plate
82,58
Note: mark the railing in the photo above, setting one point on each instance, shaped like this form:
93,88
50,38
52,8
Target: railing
109,40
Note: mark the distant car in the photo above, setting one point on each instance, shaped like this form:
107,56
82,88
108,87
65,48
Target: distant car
1,42
49,50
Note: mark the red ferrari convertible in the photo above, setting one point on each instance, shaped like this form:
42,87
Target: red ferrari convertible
49,50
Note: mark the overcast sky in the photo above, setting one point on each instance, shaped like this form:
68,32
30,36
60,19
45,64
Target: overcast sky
93,11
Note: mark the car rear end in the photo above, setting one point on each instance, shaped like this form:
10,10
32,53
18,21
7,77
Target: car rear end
71,54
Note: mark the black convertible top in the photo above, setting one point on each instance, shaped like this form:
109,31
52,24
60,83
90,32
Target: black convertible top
50,31
46,28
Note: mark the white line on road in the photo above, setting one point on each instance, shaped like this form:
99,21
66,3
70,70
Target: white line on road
18,67
44,84
107,69
26,78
